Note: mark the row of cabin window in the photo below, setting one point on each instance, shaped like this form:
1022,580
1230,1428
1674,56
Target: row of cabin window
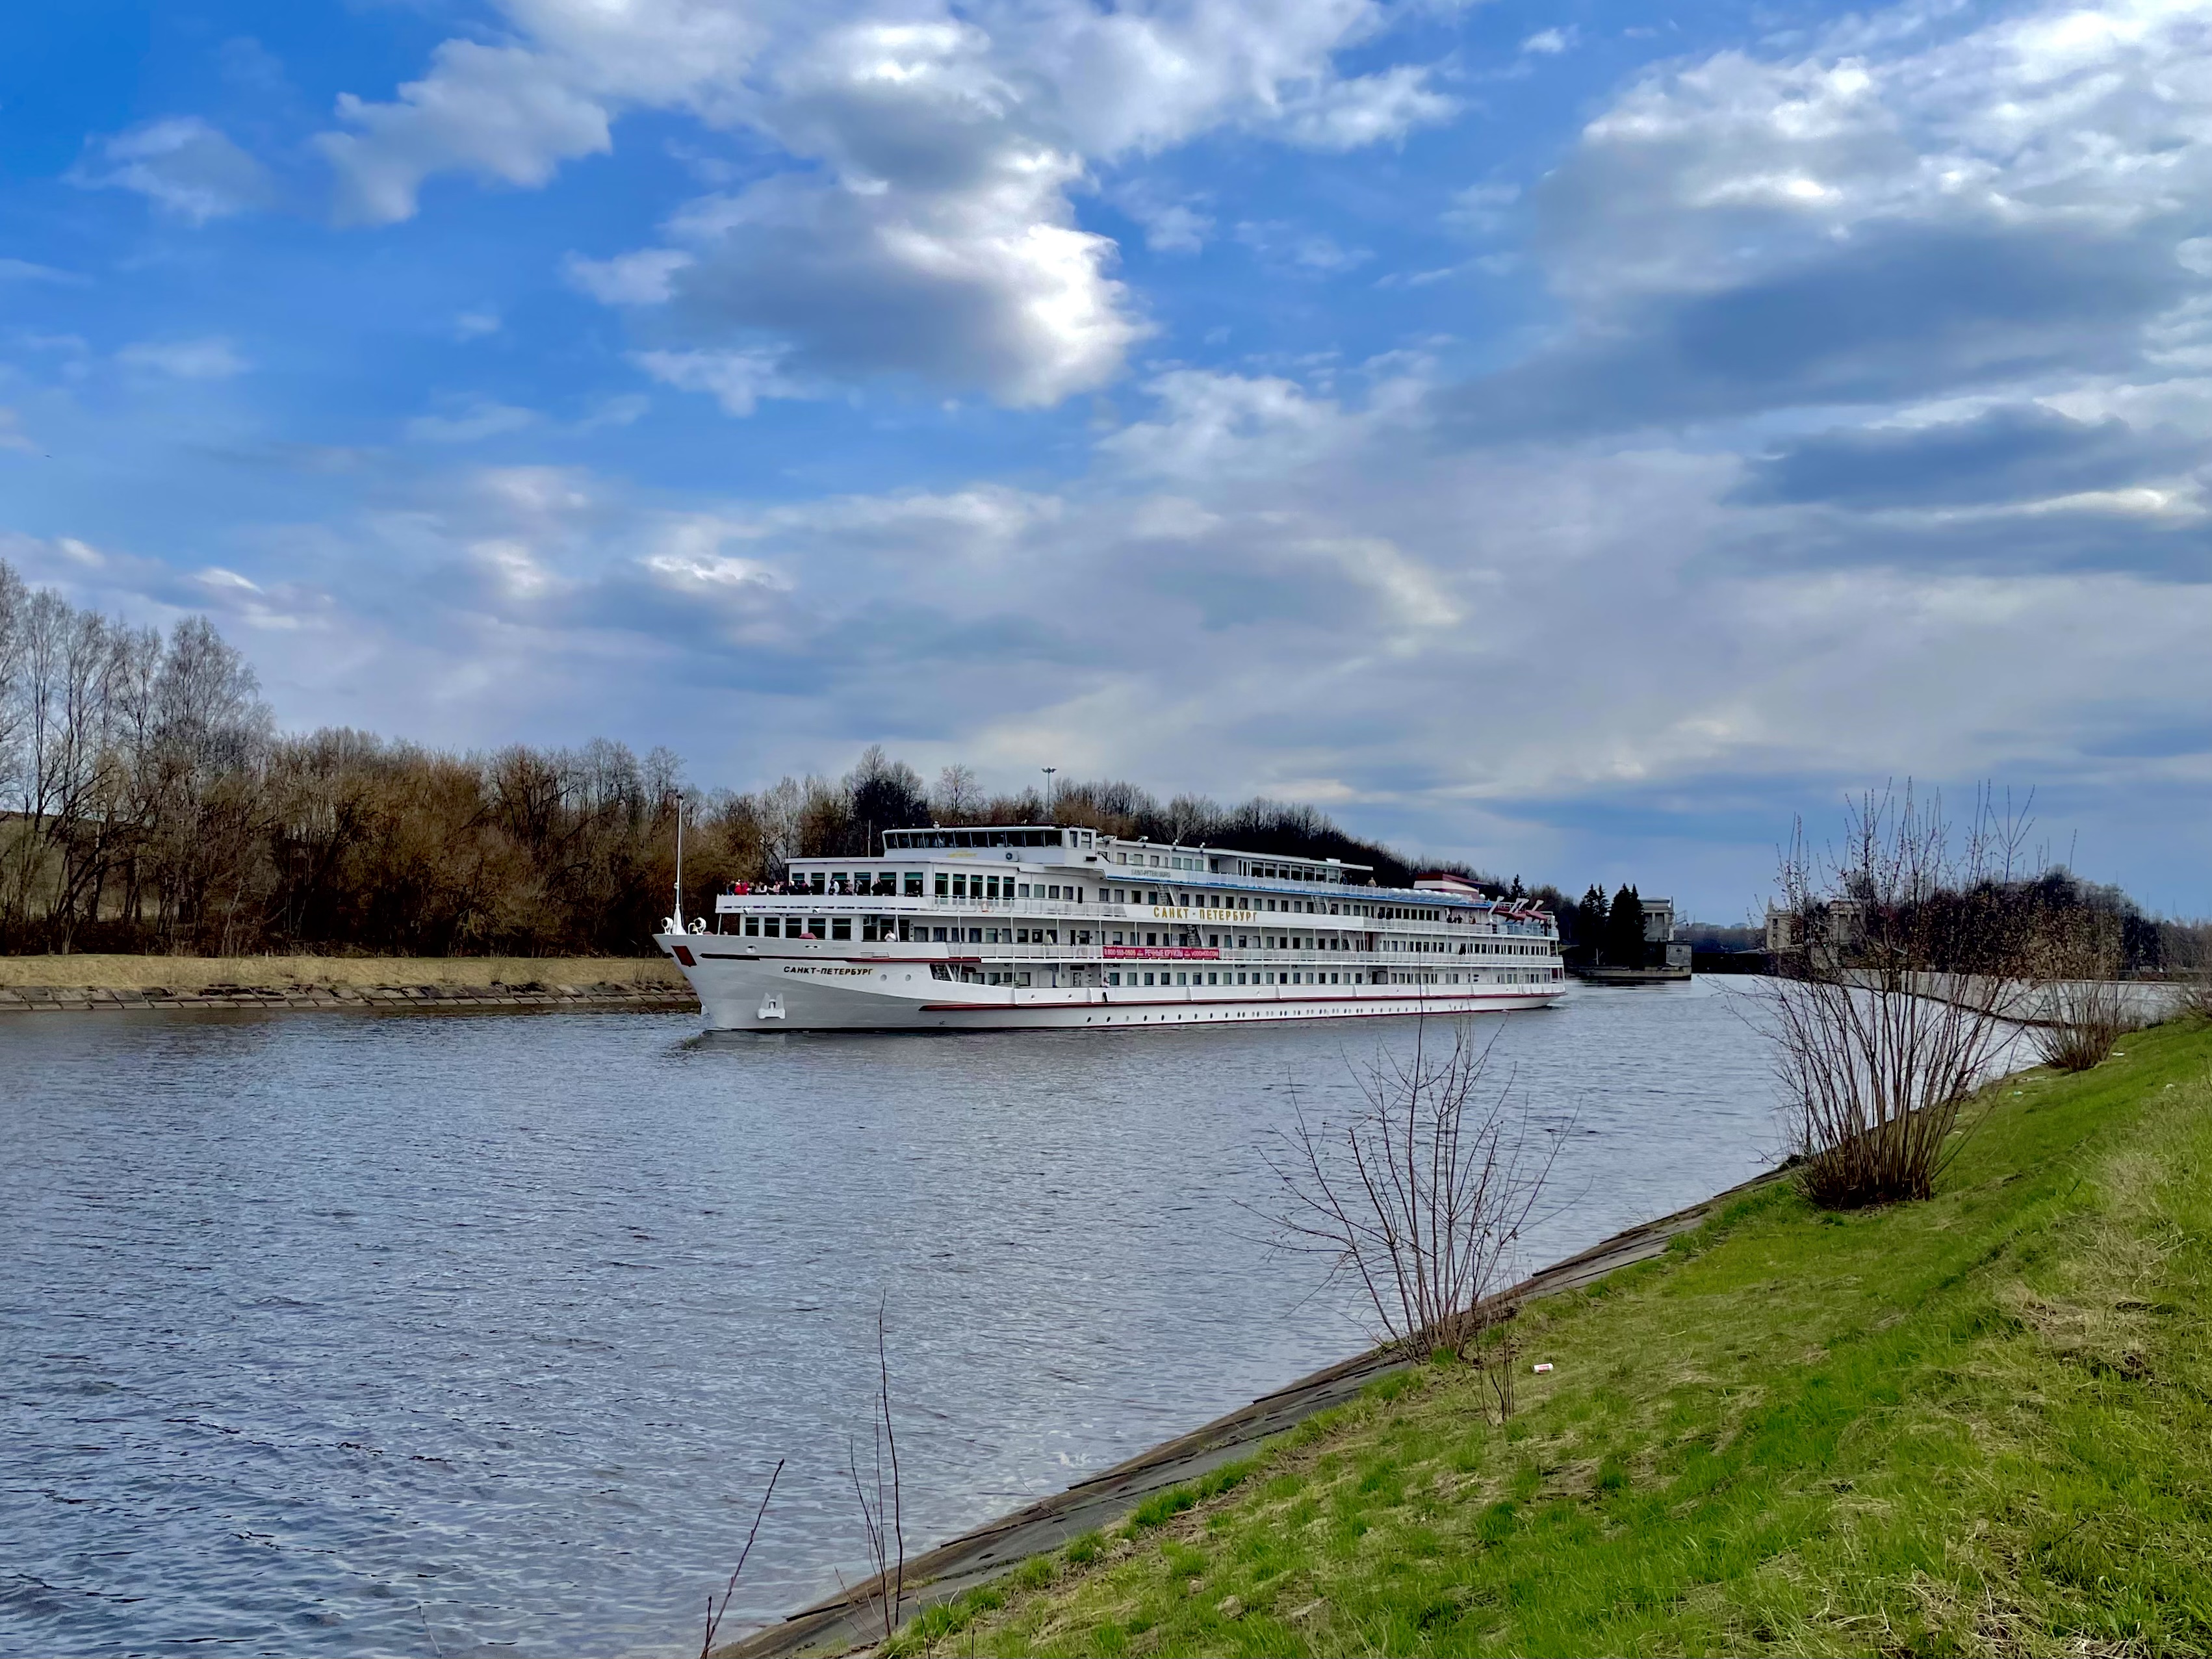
1257,902
1195,976
948,885
884,929
960,883
1210,901
1020,977
1236,941
862,884
1316,976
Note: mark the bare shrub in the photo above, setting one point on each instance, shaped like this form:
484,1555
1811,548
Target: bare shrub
2083,1012
1420,1199
2197,998
714,1613
2190,959
1905,969
882,1514
2087,1019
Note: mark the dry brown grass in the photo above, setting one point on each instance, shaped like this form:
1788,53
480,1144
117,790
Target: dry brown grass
197,973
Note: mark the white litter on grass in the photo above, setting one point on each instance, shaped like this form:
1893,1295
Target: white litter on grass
1541,1365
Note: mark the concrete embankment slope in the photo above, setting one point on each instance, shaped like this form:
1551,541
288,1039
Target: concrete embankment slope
53,984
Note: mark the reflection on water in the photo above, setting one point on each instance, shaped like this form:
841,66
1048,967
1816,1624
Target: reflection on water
318,1327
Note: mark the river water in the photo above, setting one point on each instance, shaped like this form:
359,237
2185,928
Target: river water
326,1332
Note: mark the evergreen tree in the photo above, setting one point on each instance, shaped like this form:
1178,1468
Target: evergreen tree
1624,930
1590,914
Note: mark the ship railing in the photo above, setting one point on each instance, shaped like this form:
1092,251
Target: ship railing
1060,909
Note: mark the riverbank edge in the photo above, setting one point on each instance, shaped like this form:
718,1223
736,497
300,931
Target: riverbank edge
65,1000
852,1619
97,984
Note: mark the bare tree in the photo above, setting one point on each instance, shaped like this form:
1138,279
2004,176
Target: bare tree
958,796
1421,1198
1909,966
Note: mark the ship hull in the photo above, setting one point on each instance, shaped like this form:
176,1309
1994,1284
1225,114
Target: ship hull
752,992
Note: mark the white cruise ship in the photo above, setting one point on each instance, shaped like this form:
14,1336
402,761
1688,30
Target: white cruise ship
1021,926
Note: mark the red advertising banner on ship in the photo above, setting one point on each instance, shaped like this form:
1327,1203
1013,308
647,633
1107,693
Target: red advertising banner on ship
1160,952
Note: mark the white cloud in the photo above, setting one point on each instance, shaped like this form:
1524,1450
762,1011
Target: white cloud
1550,43
736,379
472,424
1173,224
1382,108
646,278
928,228
2077,119
1481,209
210,359
23,270
1313,252
477,324
187,168
498,113
12,436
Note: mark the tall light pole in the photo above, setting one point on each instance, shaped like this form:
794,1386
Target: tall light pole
1047,771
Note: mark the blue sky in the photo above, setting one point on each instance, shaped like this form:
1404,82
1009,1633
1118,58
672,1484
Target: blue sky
1572,437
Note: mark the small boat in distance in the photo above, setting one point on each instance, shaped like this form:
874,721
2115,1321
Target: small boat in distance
1020,926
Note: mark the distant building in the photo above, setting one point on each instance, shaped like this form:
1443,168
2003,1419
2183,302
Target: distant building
1781,931
1661,948
1833,926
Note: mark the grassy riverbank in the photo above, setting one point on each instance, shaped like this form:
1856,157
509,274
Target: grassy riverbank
280,972
1979,1424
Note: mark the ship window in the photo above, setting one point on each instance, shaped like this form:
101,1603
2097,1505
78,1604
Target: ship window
772,926
1113,979
975,936
817,928
1148,979
841,927
821,881
914,884
941,888
1151,939
752,925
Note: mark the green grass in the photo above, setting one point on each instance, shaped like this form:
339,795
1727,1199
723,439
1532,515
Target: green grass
1978,1424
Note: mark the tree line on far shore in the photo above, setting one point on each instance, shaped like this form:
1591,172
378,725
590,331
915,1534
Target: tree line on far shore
148,803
